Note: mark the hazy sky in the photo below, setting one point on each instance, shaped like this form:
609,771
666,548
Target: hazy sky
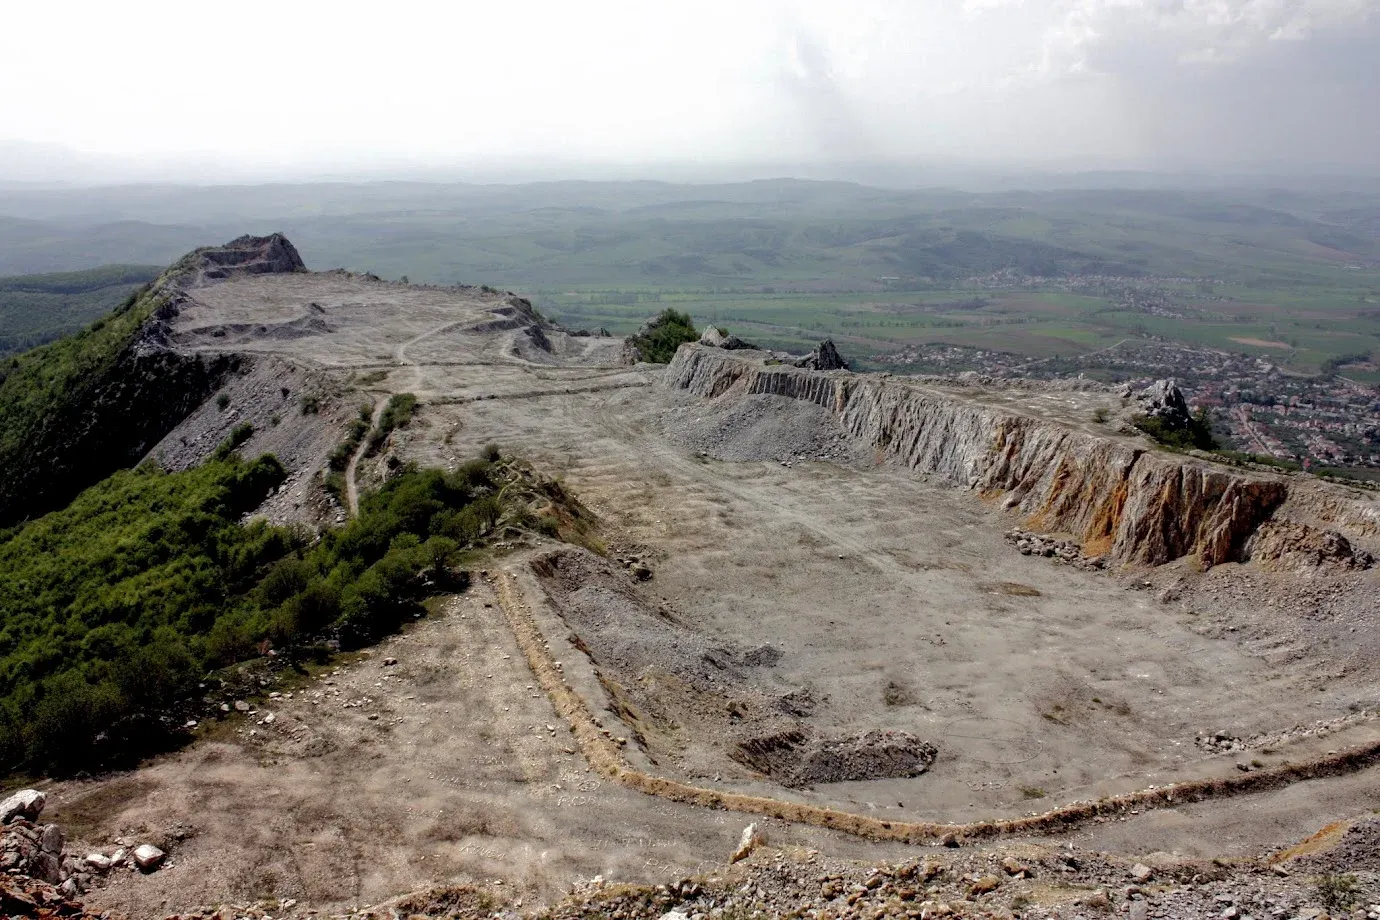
1146,83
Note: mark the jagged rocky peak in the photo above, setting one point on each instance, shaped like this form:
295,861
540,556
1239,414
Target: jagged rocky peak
250,255
1163,399
825,357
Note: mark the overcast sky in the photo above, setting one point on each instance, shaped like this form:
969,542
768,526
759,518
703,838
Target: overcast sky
1278,84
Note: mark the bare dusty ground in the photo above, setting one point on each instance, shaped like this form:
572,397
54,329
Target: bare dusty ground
887,601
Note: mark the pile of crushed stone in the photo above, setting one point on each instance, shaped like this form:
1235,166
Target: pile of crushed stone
799,758
763,427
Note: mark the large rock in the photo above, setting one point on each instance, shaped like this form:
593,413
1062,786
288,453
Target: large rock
1164,400
148,857
27,803
251,255
716,339
825,357
1288,546
52,839
752,838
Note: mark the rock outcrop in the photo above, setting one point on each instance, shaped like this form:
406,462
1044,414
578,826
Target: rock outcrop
1118,497
716,339
825,357
249,255
1164,400
74,412
1295,547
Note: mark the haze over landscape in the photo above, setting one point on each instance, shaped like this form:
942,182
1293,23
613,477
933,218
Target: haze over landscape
669,461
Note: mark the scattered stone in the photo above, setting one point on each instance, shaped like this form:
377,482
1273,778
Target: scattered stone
1142,873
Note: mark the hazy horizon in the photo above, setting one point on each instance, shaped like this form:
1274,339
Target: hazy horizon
149,91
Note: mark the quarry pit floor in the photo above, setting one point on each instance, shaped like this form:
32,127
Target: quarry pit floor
892,598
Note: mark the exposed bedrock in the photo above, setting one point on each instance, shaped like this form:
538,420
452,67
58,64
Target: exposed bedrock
1121,499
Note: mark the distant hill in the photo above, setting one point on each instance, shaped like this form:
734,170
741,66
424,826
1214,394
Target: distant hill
36,309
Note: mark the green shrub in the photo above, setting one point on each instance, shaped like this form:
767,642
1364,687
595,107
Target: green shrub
396,414
238,435
1197,433
1338,892
664,334
115,608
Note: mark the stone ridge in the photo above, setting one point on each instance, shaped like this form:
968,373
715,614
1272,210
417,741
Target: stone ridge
1120,499
250,255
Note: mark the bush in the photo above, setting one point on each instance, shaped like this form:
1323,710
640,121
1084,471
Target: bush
663,335
1338,892
1197,432
113,609
397,414
238,435
359,427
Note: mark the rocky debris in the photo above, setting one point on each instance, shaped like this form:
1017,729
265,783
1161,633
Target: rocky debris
250,255
24,896
1066,883
798,757
825,357
26,803
1029,543
1164,400
762,427
752,838
1358,851
716,339
1288,546
1224,742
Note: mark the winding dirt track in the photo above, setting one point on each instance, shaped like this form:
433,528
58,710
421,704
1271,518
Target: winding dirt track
351,488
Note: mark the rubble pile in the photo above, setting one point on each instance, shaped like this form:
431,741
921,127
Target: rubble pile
1029,543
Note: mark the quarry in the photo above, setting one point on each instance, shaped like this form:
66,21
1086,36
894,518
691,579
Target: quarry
886,620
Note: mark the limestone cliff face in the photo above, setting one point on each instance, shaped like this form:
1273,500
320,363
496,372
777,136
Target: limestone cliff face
1119,498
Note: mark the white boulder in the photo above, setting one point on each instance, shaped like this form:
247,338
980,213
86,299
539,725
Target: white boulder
26,803
148,857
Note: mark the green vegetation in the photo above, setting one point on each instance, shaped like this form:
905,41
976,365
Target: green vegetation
116,607
396,414
658,339
36,309
354,436
75,410
1195,434
238,435
1338,892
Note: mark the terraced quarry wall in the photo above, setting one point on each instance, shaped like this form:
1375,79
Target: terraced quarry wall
1130,503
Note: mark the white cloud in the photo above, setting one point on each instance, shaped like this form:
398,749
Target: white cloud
619,79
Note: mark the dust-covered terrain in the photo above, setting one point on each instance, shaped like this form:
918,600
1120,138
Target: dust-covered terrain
801,592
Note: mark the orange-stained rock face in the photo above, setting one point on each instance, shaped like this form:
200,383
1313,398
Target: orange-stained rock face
1118,495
